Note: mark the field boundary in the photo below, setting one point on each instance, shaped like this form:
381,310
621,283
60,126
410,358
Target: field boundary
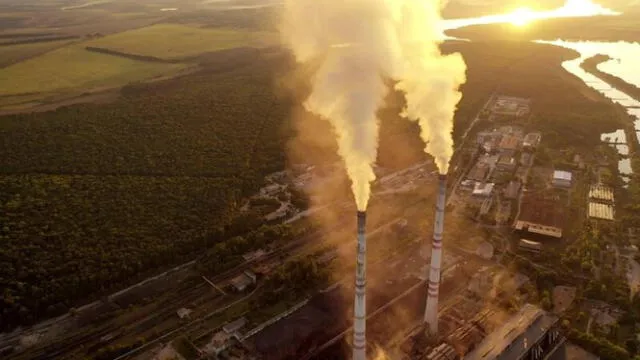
38,40
130,56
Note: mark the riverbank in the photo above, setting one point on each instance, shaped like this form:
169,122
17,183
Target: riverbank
590,65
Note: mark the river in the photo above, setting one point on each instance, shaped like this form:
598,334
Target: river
623,65
623,57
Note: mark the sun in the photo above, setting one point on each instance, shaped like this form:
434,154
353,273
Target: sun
522,17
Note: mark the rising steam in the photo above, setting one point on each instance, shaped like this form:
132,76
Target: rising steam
429,79
359,43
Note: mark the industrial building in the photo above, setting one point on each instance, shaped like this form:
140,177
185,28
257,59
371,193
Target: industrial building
479,172
507,163
562,179
529,246
530,334
483,189
443,351
601,203
600,211
509,144
512,191
601,193
541,216
531,141
243,281
511,106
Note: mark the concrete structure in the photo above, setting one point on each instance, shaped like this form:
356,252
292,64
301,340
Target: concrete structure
601,193
483,189
532,140
485,250
243,281
525,159
184,313
479,172
360,312
443,352
431,309
600,211
562,179
530,246
234,326
509,144
507,163
530,334
511,106
512,190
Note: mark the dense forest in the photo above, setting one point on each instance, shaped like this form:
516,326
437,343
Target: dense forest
92,196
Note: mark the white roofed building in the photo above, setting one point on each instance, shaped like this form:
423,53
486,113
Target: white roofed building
562,179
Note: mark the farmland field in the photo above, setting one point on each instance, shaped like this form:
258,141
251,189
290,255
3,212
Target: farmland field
73,67
16,53
173,41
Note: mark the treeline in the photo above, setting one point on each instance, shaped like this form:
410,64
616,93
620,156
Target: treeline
147,58
604,348
227,254
292,281
37,40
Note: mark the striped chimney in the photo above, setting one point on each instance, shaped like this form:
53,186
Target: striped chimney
360,312
431,310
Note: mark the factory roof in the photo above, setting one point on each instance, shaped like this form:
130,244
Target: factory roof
600,211
509,142
235,325
242,281
511,192
562,175
514,338
443,352
532,139
506,160
546,214
483,189
600,192
479,172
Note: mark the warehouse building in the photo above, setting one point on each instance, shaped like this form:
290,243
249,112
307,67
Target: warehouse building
562,179
530,334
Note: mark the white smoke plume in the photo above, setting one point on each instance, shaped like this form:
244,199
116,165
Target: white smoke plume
429,79
360,43
354,38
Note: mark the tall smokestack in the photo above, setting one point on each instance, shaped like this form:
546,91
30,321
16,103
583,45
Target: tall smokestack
431,311
359,310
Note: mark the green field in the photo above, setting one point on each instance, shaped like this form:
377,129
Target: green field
173,41
72,67
16,53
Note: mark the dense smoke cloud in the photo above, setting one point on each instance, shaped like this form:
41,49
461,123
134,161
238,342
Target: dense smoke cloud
429,79
358,44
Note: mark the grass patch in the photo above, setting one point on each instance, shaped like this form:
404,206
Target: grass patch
72,67
173,41
16,53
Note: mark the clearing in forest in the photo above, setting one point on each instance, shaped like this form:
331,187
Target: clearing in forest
74,68
173,41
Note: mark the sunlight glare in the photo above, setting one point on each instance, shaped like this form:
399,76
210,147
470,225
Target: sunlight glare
522,17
